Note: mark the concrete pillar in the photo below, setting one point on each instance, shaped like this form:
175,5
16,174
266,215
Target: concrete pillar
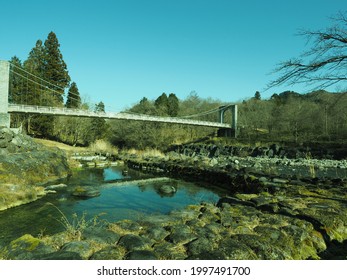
4,84
228,132
221,114
234,120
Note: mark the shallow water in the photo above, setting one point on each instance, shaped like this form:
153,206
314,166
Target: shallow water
130,201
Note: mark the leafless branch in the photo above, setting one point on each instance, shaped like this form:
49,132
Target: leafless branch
324,64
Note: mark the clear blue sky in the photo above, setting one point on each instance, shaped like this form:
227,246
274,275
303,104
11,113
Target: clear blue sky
122,50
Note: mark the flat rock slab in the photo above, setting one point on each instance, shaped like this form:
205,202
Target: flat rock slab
133,242
109,253
85,191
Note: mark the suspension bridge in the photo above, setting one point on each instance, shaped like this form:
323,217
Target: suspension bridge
45,90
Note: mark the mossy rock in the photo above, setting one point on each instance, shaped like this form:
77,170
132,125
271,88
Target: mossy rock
59,255
156,233
141,255
232,249
109,253
199,246
80,247
100,235
167,251
181,234
26,247
85,191
133,242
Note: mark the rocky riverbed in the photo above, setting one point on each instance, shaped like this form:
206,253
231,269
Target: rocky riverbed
272,212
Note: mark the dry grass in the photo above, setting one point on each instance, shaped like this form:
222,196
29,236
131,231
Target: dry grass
102,146
64,147
120,230
148,153
14,195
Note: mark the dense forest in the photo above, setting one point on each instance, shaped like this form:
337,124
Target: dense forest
288,116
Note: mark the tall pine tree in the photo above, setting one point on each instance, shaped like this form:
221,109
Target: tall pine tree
35,64
55,67
46,63
16,86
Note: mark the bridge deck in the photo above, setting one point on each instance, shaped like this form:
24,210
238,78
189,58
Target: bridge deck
32,109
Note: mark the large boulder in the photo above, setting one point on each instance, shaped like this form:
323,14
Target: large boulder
86,191
23,165
167,190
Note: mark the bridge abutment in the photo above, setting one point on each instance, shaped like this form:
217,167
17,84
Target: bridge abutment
232,131
4,88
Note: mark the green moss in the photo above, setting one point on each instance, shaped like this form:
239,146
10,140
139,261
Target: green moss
27,243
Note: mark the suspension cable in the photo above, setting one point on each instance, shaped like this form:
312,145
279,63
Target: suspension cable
72,94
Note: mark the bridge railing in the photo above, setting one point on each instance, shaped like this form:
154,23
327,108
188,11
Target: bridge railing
62,111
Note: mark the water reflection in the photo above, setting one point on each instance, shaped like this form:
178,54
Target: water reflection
130,201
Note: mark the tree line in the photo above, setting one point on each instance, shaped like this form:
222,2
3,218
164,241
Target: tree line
289,116
318,116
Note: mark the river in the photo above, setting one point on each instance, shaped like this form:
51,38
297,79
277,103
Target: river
116,202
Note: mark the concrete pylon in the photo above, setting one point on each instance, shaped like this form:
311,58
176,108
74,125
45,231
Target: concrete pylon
232,131
4,85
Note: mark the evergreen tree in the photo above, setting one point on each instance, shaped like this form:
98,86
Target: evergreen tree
73,97
144,107
16,90
35,64
173,105
99,127
45,63
55,67
100,107
161,104
16,82
257,95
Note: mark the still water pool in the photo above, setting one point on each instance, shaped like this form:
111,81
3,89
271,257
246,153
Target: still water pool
116,202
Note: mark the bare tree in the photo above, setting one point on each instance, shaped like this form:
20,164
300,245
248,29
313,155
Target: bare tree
324,64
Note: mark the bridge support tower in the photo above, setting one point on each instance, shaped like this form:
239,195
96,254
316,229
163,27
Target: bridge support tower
232,131
4,88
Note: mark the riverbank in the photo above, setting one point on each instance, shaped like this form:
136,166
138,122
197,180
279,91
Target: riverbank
306,190
25,166
272,212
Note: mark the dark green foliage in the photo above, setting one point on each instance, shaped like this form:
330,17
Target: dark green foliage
55,67
41,80
161,104
173,105
145,107
141,135
16,82
73,97
17,90
100,107
99,127
36,62
257,95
